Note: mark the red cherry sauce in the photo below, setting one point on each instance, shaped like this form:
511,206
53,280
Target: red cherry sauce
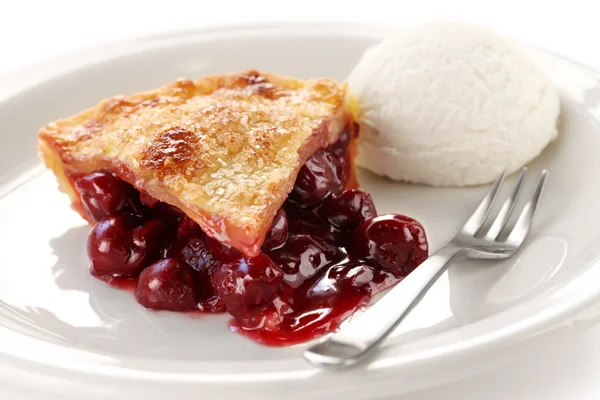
326,255
118,282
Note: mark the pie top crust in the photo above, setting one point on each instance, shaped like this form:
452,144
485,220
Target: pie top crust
225,149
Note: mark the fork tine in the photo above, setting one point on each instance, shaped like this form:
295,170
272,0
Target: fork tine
476,220
507,208
521,229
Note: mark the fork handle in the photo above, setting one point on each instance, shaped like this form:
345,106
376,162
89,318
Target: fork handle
362,335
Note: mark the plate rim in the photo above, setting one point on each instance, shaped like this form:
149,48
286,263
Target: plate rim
27,78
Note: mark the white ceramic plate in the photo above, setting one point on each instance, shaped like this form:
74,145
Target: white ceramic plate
65,335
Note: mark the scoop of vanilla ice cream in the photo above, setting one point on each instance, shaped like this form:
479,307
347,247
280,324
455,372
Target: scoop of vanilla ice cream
451,104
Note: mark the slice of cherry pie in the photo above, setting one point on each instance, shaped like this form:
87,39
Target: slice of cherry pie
233,193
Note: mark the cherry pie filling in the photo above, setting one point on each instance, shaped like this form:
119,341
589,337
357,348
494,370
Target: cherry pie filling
326,254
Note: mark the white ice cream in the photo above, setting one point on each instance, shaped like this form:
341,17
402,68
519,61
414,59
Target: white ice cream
451,104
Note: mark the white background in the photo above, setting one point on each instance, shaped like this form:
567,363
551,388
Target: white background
31,32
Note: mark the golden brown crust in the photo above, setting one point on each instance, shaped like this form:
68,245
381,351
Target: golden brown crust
225,149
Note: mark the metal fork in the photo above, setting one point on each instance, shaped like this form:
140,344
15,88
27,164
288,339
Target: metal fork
362,335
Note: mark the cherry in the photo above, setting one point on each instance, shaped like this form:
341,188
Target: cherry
119,245
171,218
340,153
317,179
355,274
361,274
103,193
335,286
221,250
188,226
322,302
247,285
278,233
348,209
191,248
306,221
166,212
168,284
302,256
341,167
395,242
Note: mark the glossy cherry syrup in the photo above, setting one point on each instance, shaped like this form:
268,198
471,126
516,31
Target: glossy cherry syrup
325,256
319,305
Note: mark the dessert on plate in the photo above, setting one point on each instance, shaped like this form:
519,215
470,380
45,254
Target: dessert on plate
237,193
